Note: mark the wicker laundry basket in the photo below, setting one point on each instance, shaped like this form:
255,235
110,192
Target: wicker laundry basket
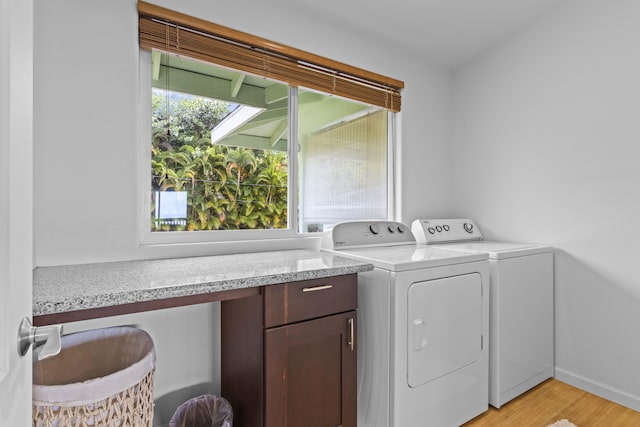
101,378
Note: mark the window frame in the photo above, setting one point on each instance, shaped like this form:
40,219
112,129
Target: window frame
146,236
150,237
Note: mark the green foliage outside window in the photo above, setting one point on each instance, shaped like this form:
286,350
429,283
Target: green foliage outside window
229,188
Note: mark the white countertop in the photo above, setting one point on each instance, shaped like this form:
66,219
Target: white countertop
66,288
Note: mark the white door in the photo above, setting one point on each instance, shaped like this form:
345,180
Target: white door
16,206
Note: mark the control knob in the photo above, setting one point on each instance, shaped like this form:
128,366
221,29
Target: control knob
468,227
374,229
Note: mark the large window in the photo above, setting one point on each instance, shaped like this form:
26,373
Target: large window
219,151
243,142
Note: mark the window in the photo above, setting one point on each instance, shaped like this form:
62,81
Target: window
343,161
244,138
219,152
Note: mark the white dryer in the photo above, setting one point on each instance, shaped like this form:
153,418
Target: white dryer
521,305
422,327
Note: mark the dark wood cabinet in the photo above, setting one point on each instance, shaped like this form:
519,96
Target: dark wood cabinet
297,366
310,373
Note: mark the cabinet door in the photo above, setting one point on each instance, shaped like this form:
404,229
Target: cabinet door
310,370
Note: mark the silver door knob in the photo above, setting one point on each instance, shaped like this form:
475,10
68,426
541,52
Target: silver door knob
46,340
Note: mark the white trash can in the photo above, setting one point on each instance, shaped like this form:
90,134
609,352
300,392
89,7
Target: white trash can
102,377
203,411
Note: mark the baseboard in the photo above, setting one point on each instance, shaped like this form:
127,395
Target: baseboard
599,389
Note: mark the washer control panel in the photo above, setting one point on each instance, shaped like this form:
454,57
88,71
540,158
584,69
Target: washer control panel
430,231
354,234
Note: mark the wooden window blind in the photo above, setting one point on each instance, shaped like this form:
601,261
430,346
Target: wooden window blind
174,32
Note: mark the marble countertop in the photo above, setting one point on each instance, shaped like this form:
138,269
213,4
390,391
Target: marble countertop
67,288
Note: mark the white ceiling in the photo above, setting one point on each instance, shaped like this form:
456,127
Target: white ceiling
448,32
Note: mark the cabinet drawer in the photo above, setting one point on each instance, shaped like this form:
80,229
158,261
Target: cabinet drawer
297,301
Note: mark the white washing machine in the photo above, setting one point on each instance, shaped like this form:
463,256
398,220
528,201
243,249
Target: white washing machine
422,327
522,304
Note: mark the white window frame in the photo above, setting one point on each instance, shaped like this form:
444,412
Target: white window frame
147,237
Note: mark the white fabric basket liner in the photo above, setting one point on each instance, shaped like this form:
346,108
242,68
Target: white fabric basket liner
123,355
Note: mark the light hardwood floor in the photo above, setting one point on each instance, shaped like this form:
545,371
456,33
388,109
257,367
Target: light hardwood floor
552,401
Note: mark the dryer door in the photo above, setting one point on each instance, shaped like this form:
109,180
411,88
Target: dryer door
444,326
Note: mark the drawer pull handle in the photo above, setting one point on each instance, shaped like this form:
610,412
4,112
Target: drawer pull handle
352,338
317,288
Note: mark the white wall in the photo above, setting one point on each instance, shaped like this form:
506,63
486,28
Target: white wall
545,149
87,119
86,124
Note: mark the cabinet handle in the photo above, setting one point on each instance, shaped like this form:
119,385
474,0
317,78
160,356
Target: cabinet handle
352,337
317,288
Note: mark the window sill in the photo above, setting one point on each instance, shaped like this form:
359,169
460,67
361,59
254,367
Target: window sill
252,243
219,236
